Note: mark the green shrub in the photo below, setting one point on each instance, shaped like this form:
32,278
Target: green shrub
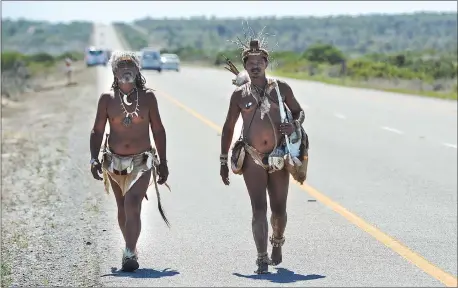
324,53
10,59
74,56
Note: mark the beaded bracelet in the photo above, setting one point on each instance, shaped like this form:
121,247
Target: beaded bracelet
223,159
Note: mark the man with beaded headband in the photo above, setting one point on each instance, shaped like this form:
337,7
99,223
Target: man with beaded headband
271,146
128,158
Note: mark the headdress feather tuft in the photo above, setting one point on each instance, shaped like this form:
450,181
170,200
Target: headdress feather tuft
118,56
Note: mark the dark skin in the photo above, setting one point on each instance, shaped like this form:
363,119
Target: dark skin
261,137
128,141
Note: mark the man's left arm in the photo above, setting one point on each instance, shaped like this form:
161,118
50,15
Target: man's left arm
292,103
157,128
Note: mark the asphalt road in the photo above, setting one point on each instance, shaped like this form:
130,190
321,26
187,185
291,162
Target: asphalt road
382,166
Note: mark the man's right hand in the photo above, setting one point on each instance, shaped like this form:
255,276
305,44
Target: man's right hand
224,173
96,169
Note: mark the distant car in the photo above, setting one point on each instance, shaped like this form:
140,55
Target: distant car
170,62
95,57
151,60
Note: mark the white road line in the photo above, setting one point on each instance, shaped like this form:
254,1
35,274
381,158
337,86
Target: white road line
449,145
340,116
392,130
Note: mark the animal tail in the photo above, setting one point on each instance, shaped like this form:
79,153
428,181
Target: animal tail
159,205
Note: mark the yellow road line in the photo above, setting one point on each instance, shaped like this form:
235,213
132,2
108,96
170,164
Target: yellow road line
444,277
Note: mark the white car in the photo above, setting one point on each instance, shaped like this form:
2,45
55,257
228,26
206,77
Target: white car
151,60
170,62
96,57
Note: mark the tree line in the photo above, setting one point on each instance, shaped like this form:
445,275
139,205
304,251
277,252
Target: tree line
419,49
31,37
353,35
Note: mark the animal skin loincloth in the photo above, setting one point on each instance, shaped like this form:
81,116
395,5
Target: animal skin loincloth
126,170
270,162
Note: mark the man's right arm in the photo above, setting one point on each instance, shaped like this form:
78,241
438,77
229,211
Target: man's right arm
99,125
231,119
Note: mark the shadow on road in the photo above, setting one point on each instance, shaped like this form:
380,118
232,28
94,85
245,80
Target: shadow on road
282,276
142,273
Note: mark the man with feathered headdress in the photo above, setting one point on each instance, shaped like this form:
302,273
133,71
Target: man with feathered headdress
128,159
271,146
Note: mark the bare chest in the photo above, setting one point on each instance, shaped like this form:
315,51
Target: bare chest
136,111
262,104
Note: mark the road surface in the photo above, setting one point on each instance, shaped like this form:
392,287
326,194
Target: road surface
379,207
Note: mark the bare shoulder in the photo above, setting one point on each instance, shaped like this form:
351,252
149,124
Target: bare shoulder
238,93
150,97
283,85
149,93
106,96
285,90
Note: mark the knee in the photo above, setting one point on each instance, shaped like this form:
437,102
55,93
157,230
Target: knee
131,208
121,212
120,206
259,213
278,208
132,213
279,212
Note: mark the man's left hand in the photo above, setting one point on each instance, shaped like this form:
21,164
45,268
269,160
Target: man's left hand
163,172
286,128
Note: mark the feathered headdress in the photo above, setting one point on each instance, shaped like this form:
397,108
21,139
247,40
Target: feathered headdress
254,45
119,56
254,50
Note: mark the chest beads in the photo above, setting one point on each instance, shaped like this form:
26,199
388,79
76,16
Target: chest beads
127,121
261,96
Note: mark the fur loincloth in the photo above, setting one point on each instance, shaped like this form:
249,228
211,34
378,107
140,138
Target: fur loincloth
125,170
270,162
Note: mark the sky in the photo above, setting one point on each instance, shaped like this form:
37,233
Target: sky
126,11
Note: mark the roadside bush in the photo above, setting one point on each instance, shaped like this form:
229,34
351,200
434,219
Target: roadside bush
324,53
74,56
41,58
12,59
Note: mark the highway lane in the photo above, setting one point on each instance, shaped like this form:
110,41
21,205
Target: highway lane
351,162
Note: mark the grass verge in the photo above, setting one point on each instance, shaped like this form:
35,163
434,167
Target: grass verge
347,82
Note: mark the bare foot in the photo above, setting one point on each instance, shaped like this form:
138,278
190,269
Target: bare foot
130,264
263,264
129,261
276,256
